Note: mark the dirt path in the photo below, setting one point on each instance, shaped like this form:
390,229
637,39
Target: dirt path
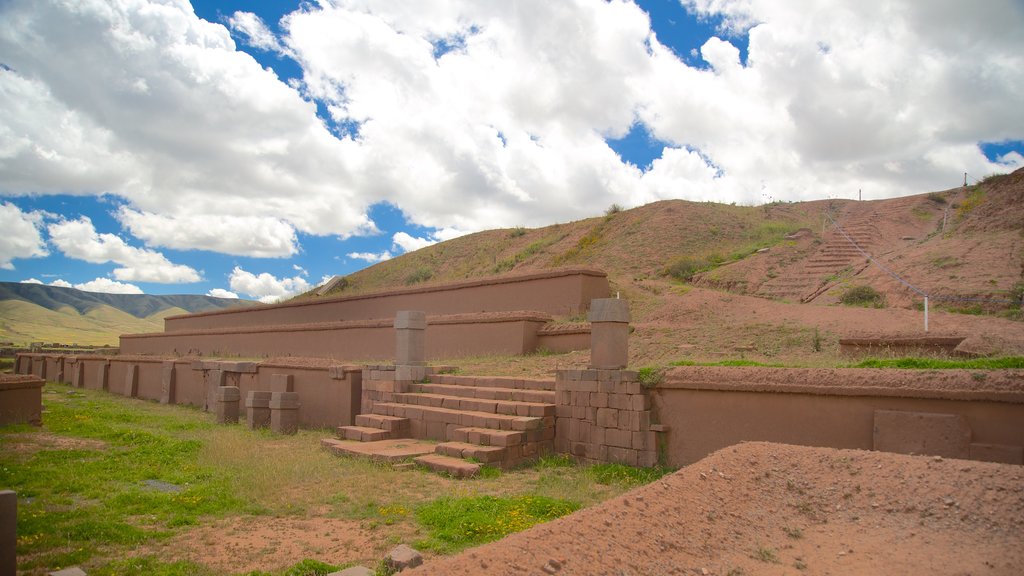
762,508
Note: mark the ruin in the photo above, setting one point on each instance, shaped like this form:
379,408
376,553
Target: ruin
406,405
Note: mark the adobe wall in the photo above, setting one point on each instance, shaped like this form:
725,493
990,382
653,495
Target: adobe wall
454,336
561,292
955,413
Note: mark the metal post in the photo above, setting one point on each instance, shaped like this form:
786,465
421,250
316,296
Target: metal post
926,314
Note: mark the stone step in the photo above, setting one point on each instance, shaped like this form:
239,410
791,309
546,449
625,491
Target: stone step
506,407
495,382
487,392
392,451
464,418
488,437
389,423
364,433
484,454
448,465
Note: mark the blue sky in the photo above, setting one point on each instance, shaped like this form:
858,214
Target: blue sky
253,149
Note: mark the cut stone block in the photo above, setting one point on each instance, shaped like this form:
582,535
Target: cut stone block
446,464
257,409
1001,453
168,393
410,344
131,381
926,433
282,383
284,412
226,404
402,557
391,451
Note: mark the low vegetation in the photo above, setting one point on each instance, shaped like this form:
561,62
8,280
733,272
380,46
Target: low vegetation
106,478
865,296
1008,362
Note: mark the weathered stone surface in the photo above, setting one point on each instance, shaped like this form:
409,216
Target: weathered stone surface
402,557
72,571
926,433
354,571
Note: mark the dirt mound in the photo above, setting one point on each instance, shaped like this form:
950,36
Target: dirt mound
762,508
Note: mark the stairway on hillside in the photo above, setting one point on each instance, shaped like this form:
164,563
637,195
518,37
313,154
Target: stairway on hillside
475,421
804,281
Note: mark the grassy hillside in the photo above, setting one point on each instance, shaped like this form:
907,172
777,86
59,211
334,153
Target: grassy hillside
24,322
37,313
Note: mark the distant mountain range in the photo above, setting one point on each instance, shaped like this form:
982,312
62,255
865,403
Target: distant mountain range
39,313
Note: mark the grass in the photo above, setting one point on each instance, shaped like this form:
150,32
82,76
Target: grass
457,523
1009,362
865,296
84,498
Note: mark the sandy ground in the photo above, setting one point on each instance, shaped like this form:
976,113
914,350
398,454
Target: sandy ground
760,508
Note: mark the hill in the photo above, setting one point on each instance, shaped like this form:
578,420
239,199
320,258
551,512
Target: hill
39,313
710,282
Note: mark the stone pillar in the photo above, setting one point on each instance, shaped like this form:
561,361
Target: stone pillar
8,532
167,384
131,381
226,406
410,346
282,383
609,333
104,372
257,409
78,373
284,412
215,379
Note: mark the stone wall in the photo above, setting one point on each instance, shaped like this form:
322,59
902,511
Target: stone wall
560,292
953,413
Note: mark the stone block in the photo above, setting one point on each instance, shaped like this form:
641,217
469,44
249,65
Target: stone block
410,320
410,373
226,401
282,383
167,384
1001,453
78,374
609,310
607,417
131,381
8,532
626,456
72,571
21,399
618,438
609,334
257,409
284,412
641,402
599,399
620,401
647,458
931,434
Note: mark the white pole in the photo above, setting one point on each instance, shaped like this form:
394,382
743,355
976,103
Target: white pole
926,314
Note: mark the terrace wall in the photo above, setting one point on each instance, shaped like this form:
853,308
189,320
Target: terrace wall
954,413
561,292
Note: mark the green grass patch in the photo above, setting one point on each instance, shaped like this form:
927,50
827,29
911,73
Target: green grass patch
457,523
740,362
621,475
1008,362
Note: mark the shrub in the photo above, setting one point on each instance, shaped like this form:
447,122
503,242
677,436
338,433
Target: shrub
937,198
685,268
517,232
650,377
613,209
421,274
863,296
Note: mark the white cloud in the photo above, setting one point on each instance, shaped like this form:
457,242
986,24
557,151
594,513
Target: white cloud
58,282
265,287
257,33
256,236
409,243
372,257
20,237
221,293
109,286
211,151
79,239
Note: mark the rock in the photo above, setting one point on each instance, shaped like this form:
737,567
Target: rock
552,567
72,571
354,571
402,557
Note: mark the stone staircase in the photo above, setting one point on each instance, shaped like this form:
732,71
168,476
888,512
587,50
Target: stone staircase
836,256
475,421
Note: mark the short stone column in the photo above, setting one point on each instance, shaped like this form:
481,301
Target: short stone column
410,346
609,333
226,404
131,381
8,532
78,373
284,412
257,409
167,384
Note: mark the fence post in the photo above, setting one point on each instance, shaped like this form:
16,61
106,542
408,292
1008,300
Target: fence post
926,314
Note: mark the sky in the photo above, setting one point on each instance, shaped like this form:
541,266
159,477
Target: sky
255,149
